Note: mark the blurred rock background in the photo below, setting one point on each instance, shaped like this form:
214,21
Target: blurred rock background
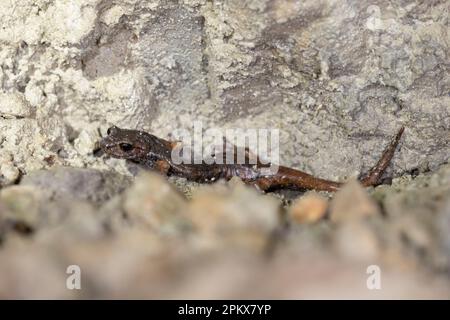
337,78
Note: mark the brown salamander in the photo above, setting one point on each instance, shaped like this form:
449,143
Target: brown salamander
155,153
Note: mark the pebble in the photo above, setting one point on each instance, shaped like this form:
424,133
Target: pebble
154,203
309,208
9,173
235,213
78,183
20,203
352,202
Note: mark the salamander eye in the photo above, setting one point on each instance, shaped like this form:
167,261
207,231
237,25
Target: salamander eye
126,147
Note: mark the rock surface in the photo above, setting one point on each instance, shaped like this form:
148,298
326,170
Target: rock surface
336,78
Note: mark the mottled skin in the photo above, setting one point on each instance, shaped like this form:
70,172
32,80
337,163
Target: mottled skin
155,153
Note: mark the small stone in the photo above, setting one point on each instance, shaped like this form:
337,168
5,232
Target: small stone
20,203
308,209
112,15
85,142
352,202
37,209
153,202
84,184
234,213
9,173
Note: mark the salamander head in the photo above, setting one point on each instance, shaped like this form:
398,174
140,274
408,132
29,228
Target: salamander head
137,146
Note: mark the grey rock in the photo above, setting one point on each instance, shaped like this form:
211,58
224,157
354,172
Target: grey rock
84,184
337,79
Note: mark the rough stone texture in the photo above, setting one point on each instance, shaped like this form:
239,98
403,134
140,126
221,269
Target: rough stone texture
338,78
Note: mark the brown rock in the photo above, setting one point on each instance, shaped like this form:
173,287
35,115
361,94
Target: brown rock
308,209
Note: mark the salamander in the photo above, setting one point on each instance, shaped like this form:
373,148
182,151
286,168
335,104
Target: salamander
155,153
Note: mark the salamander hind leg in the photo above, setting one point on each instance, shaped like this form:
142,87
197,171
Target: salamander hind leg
374,175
